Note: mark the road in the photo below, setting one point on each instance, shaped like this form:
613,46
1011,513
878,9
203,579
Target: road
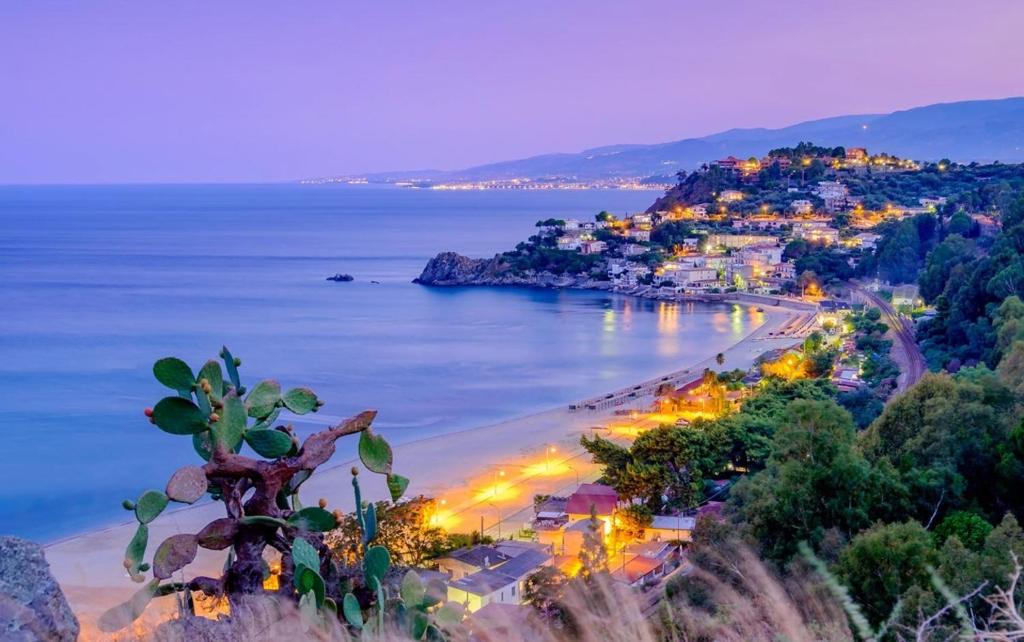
912,363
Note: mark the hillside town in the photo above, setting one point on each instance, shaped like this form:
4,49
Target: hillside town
804,230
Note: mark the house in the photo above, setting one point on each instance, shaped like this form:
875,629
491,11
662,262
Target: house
570,243
501,584
694,275
866,240
859,154
739,240
730,196
467,561
597,497
730,163
699,211
905,295
833,193
569,540
642,236
671,528
571,224
592,247
846,379
633,249
801,206
762,256
638,570
822,235
641,221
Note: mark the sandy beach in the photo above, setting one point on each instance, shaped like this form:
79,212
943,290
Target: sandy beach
486,475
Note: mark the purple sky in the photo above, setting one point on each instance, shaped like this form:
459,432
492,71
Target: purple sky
194,90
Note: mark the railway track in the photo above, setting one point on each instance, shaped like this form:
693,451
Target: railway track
903,330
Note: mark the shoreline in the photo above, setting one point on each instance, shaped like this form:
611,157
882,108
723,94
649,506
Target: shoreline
459,468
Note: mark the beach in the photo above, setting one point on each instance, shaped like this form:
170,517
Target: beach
486,475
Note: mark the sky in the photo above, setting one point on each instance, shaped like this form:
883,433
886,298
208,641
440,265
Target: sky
104,91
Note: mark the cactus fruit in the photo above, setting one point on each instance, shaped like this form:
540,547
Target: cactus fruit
187,484
214,378
151,503
179,416
375,452
174,554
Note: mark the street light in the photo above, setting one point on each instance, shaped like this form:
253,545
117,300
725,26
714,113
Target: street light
497,510
497,473
577,475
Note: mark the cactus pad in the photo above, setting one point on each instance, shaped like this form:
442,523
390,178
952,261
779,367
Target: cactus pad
179,416
375,452
300,400
396,486
187,484
313,518
376,562
150,505
175,374
231,427
268,442
173,554
263,398
218,534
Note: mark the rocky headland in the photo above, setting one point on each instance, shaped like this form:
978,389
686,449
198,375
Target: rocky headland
451,268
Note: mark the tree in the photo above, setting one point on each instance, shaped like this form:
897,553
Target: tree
949,438
544,591
633,520
953,251
970,528
593,554
815,480
405,528
883,562
720,358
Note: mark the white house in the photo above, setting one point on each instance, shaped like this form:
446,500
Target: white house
592,247
801,206
668,528
502,584
570,243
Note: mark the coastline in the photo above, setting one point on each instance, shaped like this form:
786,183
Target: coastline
459,467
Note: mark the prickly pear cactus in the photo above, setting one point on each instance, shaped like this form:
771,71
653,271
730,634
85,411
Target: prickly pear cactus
260,494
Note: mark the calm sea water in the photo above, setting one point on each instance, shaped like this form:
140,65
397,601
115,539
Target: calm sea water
98,282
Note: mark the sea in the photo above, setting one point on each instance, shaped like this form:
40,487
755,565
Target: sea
97,282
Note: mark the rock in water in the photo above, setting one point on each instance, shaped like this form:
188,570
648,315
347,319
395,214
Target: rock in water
344,278
32,606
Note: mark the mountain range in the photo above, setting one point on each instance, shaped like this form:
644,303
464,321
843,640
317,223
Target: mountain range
975,130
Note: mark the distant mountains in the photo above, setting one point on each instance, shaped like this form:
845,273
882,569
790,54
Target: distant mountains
975,130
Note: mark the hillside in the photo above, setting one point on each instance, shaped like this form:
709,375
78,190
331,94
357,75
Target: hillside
977,130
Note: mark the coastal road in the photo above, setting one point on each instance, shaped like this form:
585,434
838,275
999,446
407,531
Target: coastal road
905,350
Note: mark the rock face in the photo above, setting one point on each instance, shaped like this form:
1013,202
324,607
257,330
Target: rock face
449,268
32,606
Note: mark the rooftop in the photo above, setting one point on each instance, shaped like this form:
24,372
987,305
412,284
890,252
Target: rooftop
480,556
483,582
602,498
